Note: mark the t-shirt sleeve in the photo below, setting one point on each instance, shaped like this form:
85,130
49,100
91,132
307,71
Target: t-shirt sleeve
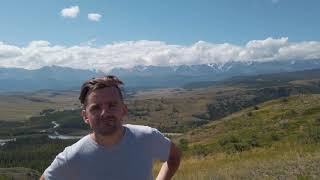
58,170
160,145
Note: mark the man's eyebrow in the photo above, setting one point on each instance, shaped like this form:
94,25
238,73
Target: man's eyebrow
114,102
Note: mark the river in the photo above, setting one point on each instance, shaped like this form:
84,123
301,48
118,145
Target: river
56,134
4,141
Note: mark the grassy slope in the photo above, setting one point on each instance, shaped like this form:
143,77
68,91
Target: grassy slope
22,107
278,140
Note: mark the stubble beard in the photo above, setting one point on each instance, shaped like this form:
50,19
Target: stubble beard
107,130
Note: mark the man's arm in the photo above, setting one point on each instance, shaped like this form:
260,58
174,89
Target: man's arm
42,178
171,166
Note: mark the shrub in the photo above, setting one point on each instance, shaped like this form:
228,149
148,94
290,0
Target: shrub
232,144
275,137
253,142
291,113
311,135
314,134
200,150
228,139
183,144
243,146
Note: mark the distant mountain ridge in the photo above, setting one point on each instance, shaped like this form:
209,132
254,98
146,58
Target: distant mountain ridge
176,76
53,77
63,78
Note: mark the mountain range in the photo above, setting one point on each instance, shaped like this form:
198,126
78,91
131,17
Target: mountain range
138,77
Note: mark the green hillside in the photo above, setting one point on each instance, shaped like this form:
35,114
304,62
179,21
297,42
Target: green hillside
279,139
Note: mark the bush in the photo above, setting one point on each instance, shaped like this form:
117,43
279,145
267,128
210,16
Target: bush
291,113
275,137
317,121
183,144
228,139
232,144
311,135
239,147
200,150
314,134
253,142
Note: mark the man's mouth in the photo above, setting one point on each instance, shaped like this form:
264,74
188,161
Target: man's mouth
108,121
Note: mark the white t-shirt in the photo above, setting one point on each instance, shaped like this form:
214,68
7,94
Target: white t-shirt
130,159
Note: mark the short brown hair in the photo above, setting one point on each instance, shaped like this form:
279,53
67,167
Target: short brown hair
99,83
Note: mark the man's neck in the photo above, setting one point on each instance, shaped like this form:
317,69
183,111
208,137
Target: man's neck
109,140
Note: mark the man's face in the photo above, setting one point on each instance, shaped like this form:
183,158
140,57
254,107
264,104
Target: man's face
104,111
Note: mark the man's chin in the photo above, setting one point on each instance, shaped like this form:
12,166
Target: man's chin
106,132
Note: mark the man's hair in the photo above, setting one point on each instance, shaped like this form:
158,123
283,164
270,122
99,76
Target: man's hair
99,83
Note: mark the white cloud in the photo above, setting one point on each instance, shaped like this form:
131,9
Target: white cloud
132,53
94,17
263,49
8,51
40,43
70,12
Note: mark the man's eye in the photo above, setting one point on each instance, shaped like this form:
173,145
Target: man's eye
112,105
94,108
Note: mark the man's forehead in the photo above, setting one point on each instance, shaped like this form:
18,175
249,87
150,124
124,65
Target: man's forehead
106,92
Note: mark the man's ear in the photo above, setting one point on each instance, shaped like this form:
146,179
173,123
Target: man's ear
84,116
125,109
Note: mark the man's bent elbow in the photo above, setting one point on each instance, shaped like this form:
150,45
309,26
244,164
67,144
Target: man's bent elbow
42,178
174,158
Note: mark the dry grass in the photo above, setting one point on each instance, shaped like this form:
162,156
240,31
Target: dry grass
282,161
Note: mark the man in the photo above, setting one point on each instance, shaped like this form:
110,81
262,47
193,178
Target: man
113,150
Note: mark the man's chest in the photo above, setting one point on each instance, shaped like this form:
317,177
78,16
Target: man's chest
133,163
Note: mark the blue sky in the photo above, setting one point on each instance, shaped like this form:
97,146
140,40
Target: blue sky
127,33
180,22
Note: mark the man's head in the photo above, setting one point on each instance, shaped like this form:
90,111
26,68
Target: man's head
99,83
103,106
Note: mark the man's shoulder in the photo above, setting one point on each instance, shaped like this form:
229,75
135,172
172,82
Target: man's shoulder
83,141
140,130
77,147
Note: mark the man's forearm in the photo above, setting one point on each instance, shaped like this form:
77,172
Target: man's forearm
167,171
171,166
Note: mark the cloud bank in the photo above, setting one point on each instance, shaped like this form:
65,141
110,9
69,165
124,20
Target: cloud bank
70,12
132,53
94,17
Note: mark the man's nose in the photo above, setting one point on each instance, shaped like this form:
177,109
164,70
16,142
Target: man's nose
105,111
